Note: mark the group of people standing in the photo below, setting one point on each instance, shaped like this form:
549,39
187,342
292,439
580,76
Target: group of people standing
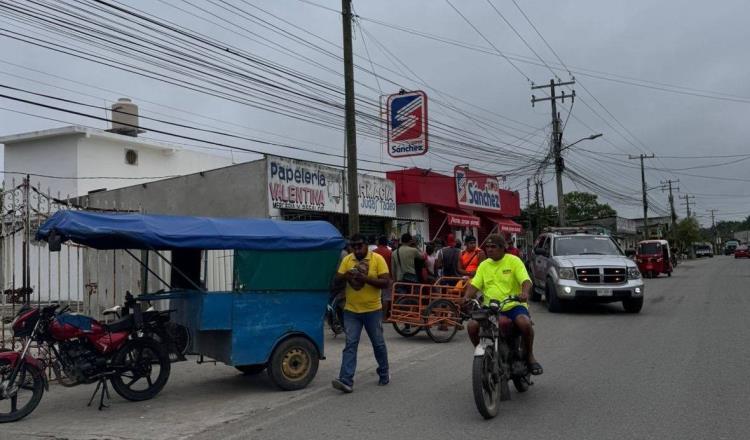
368,272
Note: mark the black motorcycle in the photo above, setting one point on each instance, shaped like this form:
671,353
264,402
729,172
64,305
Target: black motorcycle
498,359
335,313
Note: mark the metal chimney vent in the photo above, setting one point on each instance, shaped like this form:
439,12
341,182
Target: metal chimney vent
125,118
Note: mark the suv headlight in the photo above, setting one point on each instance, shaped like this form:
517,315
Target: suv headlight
633,273
566,273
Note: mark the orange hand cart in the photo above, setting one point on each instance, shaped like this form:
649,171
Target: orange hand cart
436,308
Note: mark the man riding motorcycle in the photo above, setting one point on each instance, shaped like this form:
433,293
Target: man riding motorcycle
500,276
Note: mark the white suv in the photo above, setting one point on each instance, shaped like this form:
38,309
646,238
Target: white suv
584,267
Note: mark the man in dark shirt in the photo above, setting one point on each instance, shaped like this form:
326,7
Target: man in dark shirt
447,258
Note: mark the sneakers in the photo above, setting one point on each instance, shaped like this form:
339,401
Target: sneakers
341,386
384,381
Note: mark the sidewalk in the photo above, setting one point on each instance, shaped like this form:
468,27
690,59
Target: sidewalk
198,397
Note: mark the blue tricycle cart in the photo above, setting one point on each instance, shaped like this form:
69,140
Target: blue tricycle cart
273,316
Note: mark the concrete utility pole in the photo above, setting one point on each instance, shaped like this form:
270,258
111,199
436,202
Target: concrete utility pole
673,213
687,198
645,194
713,224
351,129
556,138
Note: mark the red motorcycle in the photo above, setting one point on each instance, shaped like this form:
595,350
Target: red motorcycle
132,353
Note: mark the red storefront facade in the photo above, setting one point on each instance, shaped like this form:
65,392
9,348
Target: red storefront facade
467,203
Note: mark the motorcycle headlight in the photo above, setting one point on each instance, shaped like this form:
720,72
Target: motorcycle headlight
633,273
566,273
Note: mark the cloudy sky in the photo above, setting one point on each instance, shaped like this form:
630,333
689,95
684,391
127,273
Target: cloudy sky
667,78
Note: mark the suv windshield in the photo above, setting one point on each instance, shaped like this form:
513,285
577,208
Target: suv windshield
585,245
649,249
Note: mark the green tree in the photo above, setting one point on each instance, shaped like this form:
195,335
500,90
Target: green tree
582,206
688,231
539,218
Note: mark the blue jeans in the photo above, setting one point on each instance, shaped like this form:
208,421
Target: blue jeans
373,324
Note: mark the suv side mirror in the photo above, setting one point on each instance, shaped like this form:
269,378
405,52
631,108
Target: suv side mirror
541,251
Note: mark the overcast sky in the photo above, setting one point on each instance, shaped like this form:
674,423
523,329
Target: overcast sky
697,48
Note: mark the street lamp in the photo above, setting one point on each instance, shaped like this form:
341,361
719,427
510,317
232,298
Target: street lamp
559,167
588,138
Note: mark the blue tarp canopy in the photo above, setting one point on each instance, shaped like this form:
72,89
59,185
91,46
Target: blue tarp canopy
166,232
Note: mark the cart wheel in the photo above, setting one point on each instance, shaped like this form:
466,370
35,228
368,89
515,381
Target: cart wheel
406,330
251,370
293,364
446,318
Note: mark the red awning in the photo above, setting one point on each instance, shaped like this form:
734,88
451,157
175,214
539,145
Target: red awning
461,219
506,224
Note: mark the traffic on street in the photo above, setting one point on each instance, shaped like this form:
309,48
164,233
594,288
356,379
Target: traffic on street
667,372
317,219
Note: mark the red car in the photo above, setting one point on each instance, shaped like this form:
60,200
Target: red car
742,252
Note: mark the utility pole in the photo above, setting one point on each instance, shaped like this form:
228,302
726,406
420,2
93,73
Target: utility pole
538,210
673,213
351,129
687,198
528,192
645,194
713,224
556,138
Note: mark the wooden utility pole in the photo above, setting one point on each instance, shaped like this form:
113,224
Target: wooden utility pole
351,129
528,192
645,194
556,138
538,210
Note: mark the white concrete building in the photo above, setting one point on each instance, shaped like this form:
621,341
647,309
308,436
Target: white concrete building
69,162
76,154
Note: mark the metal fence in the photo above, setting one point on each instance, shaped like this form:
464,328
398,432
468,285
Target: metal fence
30,273
86,279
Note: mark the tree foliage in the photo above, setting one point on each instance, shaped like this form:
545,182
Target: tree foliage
688,231
539,218
583,206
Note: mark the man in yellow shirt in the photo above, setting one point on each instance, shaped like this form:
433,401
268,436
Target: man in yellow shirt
366,273
500,276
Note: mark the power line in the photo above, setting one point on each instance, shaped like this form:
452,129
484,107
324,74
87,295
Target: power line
490,42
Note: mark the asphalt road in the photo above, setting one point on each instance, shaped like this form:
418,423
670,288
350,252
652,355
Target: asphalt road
676,370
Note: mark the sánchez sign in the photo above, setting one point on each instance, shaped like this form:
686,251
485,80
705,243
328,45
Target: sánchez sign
477,191
407,124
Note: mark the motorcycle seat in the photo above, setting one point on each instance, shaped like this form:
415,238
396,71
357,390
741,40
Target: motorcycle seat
119,325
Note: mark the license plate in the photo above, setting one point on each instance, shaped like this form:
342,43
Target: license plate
604,292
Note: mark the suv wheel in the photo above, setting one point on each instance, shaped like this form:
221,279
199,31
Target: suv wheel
553,302
632,305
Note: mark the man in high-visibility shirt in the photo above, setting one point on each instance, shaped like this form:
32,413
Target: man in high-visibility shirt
500,276
366,273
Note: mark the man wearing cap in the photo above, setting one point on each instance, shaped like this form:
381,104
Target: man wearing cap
365,273
500,276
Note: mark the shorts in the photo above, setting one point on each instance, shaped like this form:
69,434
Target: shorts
516,312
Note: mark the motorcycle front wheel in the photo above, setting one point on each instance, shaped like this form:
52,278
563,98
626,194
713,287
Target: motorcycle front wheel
29,384
143,369
485,383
